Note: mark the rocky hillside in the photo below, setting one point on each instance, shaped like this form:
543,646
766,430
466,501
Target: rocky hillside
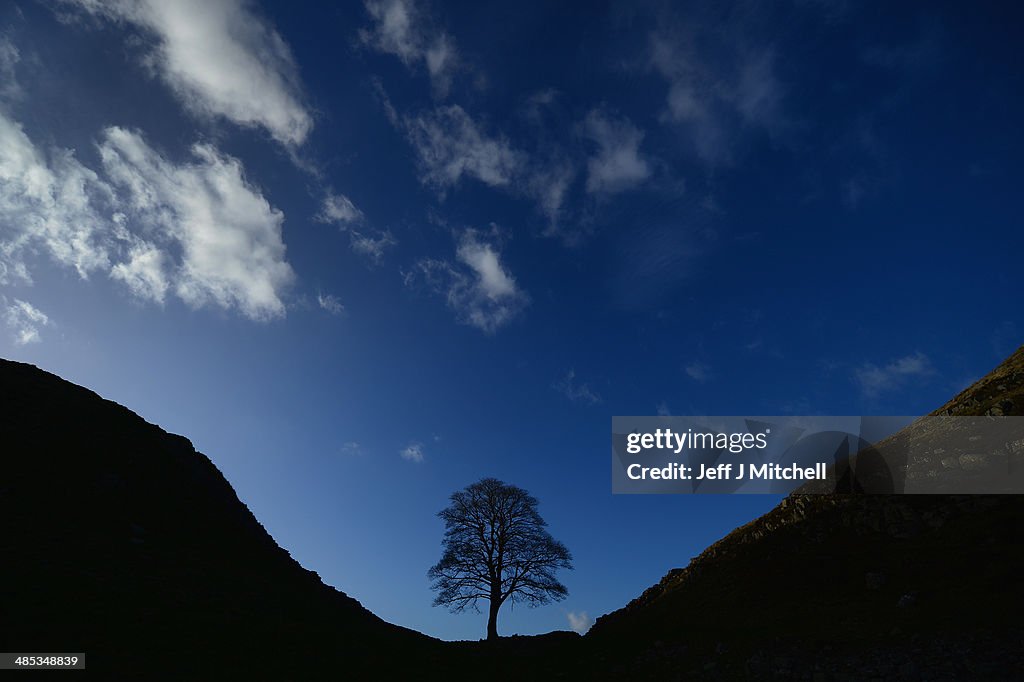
120,540
845,586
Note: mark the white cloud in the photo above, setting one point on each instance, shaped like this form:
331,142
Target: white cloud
481,291
330,303
618,164
145,273
413,452
197,229
451,145
338,209
403,29
47,205
220,59
372,246
757,92
579,622
351,448
493,281
714,102
575,391
9,58
698,371
873,379
24,320
548,184
228,235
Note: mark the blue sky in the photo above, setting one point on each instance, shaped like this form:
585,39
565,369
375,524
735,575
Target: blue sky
363,255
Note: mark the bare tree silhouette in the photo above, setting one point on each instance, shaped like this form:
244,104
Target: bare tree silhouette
496,548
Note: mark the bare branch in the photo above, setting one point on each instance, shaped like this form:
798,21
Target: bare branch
496,548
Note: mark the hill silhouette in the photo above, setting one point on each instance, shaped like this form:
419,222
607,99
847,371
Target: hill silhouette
120,540
854,586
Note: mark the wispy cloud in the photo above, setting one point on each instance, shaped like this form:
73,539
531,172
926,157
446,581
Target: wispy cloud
874,380
618,164
413,452
698,371
24,321
352,448
229,236
715,99
477,286
221,59
10,55
579,622
196,229
339,210
576,391
373,245
330,303
403,28
48,204
450,145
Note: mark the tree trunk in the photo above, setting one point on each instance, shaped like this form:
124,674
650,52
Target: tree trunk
492,616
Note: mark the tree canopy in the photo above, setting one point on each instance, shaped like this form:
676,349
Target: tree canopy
496,548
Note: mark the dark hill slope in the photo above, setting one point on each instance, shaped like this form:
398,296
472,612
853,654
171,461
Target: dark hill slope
120,540
851,586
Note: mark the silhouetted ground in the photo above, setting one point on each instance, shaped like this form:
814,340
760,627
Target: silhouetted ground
846,586
122,541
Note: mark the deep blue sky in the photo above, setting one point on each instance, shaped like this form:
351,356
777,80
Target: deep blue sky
365,255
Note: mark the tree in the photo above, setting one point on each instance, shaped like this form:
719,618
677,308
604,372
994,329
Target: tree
496,548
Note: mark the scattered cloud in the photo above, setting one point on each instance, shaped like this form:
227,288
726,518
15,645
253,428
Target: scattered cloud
481,291
576,391
339,210
403,29
715,98
373,246
146,273
198,229
9,58
228,235
450,145
24,320
47,205
618,164
330,303
352,448
221,59
698,371
579,622
548,184
874,380
413,452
